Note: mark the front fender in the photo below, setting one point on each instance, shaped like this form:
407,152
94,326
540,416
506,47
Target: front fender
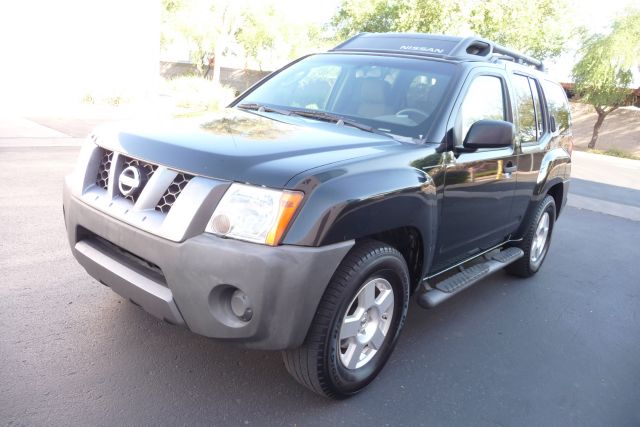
351,205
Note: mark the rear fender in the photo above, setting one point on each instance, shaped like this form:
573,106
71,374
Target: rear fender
555,167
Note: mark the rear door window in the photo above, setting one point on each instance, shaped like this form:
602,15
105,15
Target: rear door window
526,109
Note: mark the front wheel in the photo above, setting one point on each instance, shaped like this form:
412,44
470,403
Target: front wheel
357,323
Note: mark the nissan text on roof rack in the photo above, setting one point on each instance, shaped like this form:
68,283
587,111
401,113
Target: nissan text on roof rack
306,215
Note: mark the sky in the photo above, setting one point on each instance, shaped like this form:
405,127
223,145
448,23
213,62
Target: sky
67,48
312,11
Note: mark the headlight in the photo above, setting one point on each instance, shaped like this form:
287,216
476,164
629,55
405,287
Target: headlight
254,214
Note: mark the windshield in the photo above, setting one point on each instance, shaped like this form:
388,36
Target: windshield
395,95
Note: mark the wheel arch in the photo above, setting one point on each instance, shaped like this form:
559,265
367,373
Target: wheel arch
409,242
553,179
557,191
555,188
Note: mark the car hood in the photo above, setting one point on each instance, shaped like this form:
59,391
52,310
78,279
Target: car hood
243,146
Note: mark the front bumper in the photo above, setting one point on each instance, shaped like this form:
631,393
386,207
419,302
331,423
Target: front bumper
188,282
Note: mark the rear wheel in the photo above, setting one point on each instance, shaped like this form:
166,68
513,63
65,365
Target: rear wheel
357,323
536,240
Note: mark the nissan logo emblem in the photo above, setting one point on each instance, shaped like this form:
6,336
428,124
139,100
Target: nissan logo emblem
130,181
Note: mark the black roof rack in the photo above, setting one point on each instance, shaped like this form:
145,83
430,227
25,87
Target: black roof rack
459,48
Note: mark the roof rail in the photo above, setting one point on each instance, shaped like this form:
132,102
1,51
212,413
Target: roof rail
482,47
519,58
467,48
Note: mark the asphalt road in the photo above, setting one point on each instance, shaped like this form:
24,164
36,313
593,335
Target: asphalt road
562,348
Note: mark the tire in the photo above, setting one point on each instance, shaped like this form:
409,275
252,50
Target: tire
535,251
333,361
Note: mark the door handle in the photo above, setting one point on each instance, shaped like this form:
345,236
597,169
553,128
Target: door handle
509,168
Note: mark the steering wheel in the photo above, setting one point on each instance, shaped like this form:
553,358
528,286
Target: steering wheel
409,111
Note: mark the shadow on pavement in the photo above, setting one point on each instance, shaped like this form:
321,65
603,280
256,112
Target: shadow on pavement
610,193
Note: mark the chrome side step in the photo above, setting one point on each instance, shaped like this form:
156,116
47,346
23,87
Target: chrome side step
467,277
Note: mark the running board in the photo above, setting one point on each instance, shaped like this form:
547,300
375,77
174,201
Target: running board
467,277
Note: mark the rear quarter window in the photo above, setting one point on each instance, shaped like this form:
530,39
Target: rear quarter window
557,105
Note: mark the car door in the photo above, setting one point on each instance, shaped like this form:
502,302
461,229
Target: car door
479,185
532,136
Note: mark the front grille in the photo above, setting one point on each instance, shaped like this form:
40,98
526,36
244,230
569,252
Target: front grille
108,160
172,193
102,179
147,168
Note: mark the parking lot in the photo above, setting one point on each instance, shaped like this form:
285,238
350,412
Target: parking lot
561,348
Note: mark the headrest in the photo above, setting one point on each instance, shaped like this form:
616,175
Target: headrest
374,90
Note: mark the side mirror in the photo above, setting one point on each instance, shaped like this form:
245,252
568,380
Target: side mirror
552,123
489,134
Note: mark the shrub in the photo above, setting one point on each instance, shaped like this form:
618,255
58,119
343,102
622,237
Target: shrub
615,153
193,94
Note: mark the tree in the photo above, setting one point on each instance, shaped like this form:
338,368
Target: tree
259,31
265,32
604,73
535,27
355,16
376,16
434,16
209,26
272,35
538,28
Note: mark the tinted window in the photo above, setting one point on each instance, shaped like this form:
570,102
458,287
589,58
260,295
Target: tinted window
526,109
396,95
484,100
557,105
536,100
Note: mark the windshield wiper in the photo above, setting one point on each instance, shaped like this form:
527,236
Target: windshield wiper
318,115
263,108
339,120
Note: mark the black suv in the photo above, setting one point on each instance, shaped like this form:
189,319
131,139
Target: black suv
305,216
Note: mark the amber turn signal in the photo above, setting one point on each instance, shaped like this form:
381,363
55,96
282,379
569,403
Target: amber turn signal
289,203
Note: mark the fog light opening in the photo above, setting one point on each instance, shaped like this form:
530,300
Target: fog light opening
230,306
240,306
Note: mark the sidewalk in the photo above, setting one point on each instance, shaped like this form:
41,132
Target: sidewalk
21,132
67,126
605,184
